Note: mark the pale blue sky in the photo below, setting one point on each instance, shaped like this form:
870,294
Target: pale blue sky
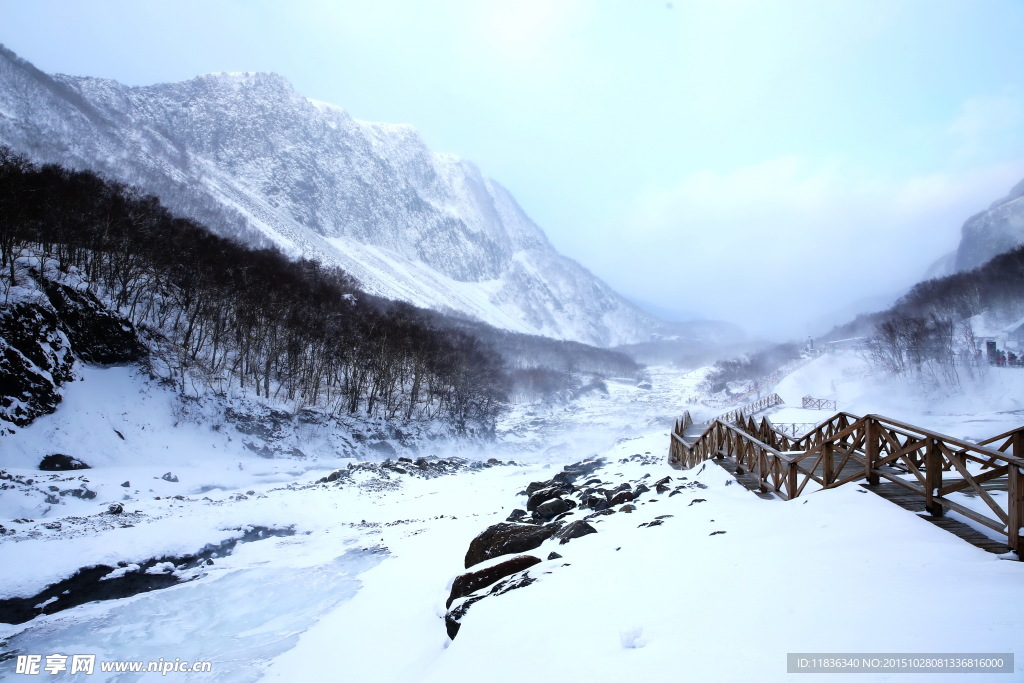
727,157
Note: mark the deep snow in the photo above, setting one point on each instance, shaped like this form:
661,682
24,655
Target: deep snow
358,592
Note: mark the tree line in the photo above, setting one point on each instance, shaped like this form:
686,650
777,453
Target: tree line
928,331
233,317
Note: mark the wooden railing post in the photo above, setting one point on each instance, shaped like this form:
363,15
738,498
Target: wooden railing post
791,480
1015,508
828,466
1015,498
870,450
932,478
762,469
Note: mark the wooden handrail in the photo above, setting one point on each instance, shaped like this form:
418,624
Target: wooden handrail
870,447
738,414
812,403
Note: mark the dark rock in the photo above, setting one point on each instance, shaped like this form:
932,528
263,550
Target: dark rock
516,515
552,508
554,556
115,508
595,501
697,500
661,488
83,492
564,478
505,538
169,477
655,522
126,484
535,486
543,495
96,334
453,619
716,533
574,530
640,489
471,582
621,497
58,462
627,508
35,360
584,467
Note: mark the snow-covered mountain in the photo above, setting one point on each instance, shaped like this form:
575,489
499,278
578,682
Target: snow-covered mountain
252,158
993,231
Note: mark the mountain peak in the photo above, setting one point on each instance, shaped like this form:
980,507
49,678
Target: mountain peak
255,160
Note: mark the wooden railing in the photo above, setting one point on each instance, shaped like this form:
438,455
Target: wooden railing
819,403
682,424
847,448
794,429
749,409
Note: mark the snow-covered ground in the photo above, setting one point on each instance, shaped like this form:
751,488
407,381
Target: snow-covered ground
982,407
357,589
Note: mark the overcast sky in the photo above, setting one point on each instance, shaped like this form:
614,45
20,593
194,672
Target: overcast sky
774,161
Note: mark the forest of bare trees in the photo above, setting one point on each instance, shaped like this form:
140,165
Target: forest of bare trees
236,317
928,331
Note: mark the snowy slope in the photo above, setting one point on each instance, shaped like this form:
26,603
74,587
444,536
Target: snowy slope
993,231
252,158
981,407
358,591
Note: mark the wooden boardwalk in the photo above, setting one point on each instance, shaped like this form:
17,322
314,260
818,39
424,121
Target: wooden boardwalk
945,481
893,493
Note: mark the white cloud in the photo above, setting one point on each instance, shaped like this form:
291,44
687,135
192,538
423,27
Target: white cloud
782,243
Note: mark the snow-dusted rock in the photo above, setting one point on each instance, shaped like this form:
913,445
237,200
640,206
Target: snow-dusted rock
573,530
60,462
505,538
470,582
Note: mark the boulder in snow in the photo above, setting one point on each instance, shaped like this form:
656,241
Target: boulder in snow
470,582
59,462
505,538
574,530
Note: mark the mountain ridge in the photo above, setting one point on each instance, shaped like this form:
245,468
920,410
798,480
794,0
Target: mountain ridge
257,161
991,232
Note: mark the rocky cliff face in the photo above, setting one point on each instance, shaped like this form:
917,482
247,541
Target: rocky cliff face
42,333
992,232
253,159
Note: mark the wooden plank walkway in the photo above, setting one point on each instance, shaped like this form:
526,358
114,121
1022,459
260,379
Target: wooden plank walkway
748,480
916,468
908,500
894,493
